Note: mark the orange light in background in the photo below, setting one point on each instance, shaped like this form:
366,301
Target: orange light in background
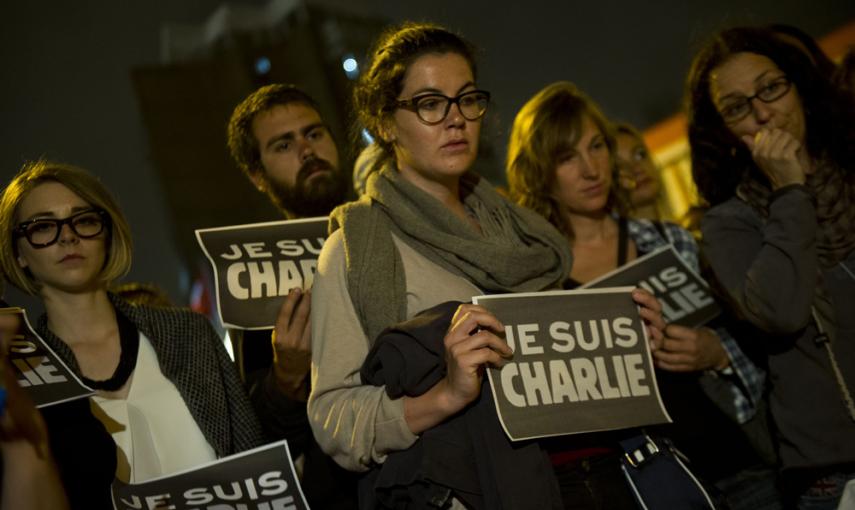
669,145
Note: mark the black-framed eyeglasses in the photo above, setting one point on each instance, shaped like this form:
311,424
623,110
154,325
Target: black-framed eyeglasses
43,232
434,108
742,107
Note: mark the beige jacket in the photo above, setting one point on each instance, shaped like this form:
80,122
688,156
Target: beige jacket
355,424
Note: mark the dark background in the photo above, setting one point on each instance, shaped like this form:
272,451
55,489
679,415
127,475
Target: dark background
68,90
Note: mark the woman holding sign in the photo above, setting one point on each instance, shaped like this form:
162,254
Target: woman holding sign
165,388
427,231
562,164
772,152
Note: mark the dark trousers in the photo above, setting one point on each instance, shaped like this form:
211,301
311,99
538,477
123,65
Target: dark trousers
752,489
595,483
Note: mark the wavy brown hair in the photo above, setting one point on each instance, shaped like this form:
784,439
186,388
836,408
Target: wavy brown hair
546,127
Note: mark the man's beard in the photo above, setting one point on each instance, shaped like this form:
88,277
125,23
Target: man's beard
315,197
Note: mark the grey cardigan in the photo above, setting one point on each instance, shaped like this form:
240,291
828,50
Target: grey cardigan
769,270
192,357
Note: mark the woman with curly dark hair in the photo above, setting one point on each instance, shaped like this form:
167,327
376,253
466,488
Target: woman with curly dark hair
772,151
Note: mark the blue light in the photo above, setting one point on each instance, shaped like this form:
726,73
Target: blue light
350,66
262,65
366,137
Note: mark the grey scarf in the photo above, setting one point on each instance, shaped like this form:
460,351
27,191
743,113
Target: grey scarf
516,250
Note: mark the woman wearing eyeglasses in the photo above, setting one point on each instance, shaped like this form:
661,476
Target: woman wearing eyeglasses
772,152
165,388
427,231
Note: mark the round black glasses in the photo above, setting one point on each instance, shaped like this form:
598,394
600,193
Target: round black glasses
43,232
433,108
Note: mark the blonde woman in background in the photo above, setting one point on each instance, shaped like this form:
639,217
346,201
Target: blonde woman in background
639,180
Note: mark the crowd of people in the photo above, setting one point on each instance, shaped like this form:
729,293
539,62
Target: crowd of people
761,398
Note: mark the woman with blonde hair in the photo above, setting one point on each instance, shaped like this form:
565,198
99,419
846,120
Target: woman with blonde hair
638,177
165,388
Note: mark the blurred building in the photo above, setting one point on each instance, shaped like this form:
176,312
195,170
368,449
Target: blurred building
207,69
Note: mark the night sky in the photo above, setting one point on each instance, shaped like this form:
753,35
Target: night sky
67,93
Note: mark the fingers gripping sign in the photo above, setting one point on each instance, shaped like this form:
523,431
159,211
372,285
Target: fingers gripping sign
291,340
651,312
581,361
691,349
471,343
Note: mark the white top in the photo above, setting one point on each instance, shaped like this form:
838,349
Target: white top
155,433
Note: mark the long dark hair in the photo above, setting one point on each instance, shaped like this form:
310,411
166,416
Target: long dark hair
719,159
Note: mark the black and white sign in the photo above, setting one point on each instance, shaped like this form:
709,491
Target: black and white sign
256,265
259,479
37,368
685,296
581,363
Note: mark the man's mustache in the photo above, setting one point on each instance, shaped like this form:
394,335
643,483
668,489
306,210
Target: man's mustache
312,165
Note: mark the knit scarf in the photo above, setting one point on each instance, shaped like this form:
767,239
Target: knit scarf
516,250
834,194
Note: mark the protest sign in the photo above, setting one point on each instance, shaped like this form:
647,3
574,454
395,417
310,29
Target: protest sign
256,265
36,366
685,296
581,363
259,479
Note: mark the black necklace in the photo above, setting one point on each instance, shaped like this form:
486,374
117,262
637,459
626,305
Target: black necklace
129,340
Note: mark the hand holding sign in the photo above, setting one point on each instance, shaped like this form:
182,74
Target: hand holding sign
257,265
690,349
292,355
470,344
581,361
38,369
651,312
